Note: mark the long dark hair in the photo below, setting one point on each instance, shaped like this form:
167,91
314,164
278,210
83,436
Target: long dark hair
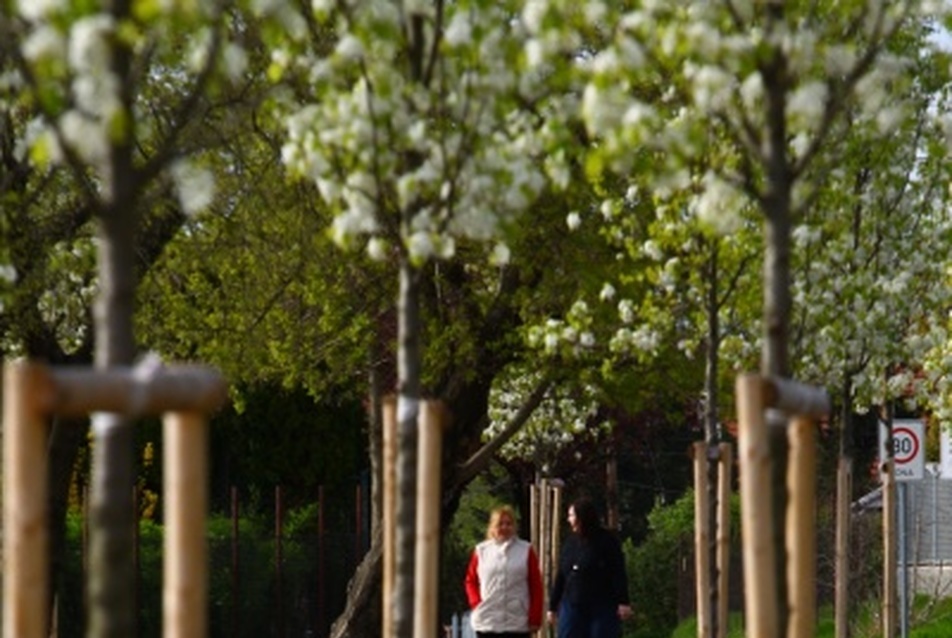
587,516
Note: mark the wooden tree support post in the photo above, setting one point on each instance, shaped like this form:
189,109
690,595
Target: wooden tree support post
890,549
388,511
760,564
545,507
185,453
544,521
702,540
33,393
25,525
555,539
756,394
726,460
801,528
844,490
432,420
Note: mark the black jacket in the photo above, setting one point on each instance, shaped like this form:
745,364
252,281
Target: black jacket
591,572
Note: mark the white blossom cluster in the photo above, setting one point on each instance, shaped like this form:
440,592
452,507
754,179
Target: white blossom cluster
421,163
707,135
566,412
874,311
70,50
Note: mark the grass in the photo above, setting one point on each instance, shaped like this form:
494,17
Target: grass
927,620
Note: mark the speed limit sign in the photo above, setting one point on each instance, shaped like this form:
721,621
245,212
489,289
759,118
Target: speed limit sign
908,448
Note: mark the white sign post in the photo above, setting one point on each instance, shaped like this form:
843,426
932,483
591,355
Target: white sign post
909,448
945,454
909,456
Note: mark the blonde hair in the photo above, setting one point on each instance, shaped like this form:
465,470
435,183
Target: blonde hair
495,515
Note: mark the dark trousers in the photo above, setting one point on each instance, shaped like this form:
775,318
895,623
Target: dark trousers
504,634
600,621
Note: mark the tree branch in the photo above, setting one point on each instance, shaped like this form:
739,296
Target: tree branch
478,461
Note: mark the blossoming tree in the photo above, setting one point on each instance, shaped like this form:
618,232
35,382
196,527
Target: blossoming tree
765,84
94,81
414,121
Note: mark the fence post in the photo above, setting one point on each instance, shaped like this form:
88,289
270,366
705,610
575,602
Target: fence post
278,560
320,561
235,564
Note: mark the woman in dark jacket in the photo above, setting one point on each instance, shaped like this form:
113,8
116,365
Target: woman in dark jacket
589,596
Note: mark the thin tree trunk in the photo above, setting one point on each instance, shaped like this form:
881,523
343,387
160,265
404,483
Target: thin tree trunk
712,432
774,364
375,438
844,476
777,299
112,582
408,407
112,575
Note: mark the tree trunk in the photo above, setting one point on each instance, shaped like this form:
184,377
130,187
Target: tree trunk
361,617
408,408
712,433
844,482
112,578
112,612
777,299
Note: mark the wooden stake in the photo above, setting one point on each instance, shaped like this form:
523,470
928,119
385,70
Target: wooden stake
725,474
760,565
555,547
185,486
536,518
34,392
427,568
556,516
534,514
801,529
890,550
389,510
702,540
25,517
844,491
545,527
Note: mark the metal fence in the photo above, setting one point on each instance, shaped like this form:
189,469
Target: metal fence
274,571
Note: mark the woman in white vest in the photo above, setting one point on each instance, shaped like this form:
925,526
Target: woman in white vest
503,581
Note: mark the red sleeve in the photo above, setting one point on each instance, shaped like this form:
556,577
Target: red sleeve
535,590
471,582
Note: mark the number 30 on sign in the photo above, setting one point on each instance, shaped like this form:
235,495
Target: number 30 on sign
908,447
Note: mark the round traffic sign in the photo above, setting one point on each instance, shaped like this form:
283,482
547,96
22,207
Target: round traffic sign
905,445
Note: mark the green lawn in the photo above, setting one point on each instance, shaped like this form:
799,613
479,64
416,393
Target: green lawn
926,621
